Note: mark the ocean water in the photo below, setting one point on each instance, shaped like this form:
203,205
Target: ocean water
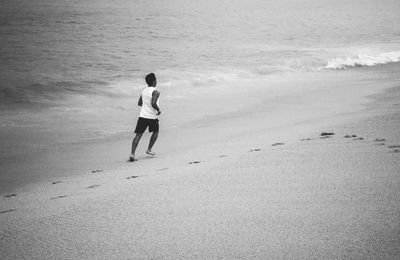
53,49
67,68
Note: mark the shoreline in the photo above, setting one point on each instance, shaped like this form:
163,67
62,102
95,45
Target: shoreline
282,104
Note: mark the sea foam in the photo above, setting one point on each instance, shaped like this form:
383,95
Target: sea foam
363,60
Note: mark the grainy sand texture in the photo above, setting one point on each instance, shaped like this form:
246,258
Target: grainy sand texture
302,175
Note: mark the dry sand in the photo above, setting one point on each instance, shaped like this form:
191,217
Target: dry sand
260,183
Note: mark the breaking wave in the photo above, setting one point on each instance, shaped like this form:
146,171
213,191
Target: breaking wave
363,60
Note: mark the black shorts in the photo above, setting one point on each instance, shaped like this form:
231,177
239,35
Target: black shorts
143,123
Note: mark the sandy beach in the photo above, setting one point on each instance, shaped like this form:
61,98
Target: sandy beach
279,132
256,180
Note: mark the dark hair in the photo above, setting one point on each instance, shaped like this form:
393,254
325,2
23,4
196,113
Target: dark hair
150,78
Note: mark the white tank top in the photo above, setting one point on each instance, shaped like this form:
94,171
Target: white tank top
147,110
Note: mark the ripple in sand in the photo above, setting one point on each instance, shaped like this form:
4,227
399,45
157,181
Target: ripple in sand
6,211
325,136
92,186
59,197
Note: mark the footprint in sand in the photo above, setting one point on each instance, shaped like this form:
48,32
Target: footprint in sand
276,144
59,197
394,147
96,171
10,195
93,186
255,150
194,162
131,177
56,182
6,211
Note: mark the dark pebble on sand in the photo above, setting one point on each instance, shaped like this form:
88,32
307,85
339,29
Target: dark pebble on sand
193,162
326,133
